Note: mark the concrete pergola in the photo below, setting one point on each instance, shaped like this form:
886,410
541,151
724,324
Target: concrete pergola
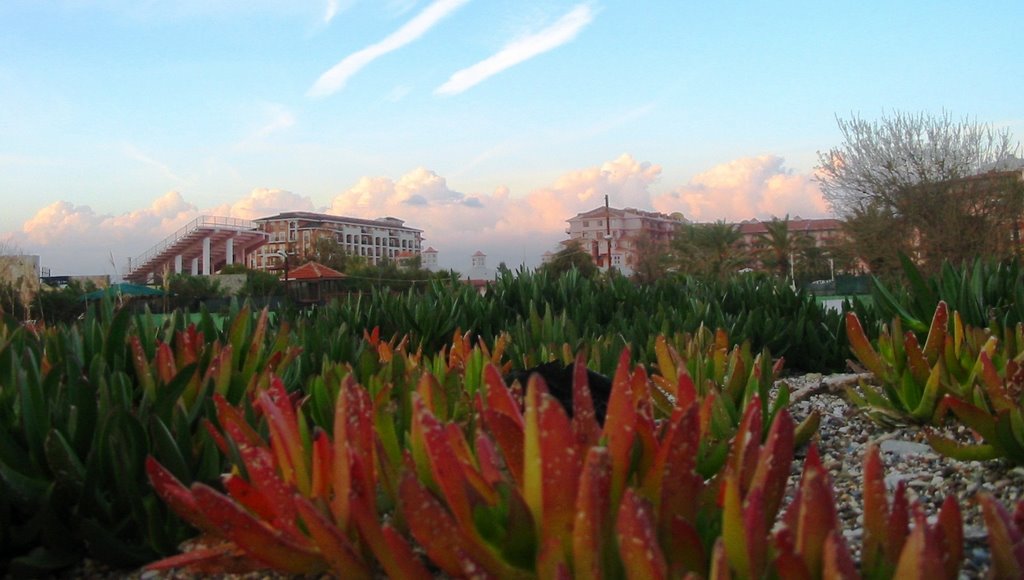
203,245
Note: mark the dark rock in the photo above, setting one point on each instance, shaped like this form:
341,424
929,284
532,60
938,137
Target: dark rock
558,378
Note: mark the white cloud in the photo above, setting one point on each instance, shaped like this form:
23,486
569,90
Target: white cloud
134,153
330,11
279,118
335,78
561,32
760,187
264,202
510,229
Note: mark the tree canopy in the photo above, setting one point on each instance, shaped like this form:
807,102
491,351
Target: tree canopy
920,175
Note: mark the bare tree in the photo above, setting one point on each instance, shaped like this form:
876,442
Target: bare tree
19,280
919,169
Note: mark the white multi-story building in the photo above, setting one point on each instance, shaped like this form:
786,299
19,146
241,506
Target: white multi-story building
604,232
296,234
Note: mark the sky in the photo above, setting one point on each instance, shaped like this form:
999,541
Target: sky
487,124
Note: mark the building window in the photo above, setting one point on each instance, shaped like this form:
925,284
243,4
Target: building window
600,223
586,224
616,259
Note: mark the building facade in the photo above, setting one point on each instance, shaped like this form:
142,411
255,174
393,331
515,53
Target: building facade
613,237
295,234
824,232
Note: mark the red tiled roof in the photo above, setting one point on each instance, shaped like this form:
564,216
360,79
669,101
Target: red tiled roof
802,225
314,271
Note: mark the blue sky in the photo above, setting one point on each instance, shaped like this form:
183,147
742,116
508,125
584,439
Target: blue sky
486,124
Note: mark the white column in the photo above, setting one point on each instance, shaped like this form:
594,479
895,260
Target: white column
206,256
195,266
230,251
177,264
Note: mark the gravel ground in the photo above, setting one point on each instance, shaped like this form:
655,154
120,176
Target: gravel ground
842,440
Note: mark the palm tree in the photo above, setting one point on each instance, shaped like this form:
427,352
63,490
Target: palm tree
777,245
709,249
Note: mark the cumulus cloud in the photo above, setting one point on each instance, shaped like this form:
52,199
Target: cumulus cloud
263,202
561,32
335,78
760,187
75,239
516,229
507,228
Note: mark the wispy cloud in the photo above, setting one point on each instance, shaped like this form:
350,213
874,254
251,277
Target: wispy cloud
523,49
330,11
133,152
335,78
279,119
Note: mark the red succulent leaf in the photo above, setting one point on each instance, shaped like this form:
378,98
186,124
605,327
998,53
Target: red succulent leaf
937,333
671,482
272,547
222,558
876,512
920,558
773,464
861,347
285,440
683,548
446,471
334,546
950,531
743,456
638,542
488,458
164,363
228,415
499,398
590,538
561,465
899,523
177,496
719,562
244,493
390,548
586,429
1005,540
838,563
509,436
431,525
788,564
620,425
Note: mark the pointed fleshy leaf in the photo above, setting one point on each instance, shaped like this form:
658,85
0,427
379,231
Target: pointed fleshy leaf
334,546
585,427
285,440
561,466
392,551
620,425
590,534
733,534
177,496
861,347
838,563
1005,540
638,540
951,531
508,434
774,460
920,558
876,512
260,542
248,496
937,333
